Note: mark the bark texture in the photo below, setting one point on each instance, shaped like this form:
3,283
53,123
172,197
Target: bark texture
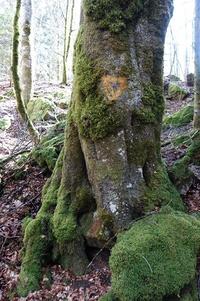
64,71
25,51
110,170
197,66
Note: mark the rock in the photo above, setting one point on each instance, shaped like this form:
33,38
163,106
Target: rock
62,104
195,170
176,91
40,109
5,123
190,80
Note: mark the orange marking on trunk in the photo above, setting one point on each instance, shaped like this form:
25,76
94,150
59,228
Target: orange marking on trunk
114,86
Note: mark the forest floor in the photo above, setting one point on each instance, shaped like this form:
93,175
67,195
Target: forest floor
20,195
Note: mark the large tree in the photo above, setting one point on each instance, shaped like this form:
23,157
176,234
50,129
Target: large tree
110,170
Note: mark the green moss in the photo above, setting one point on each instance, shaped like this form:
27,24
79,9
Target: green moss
36,239
111,14
185,139
47,151
64,223
95,117
152,105
38,236
83,200
109,297
157,257
25,223
160,191
180,172
5,123
176,92
180,118
40,109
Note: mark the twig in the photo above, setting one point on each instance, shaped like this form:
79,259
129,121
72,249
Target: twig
148,264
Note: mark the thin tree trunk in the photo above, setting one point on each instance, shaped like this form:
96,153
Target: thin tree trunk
70,31
25,52
16,80
64,71
197,67
111,170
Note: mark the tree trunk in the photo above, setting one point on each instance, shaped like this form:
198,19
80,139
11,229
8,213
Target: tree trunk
111,170
64,71
16,81
197,67
70,31
25,51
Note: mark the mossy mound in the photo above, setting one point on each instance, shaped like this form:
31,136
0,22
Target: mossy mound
47,152
156,258
180,172
176,92
40,109
5,123
180,118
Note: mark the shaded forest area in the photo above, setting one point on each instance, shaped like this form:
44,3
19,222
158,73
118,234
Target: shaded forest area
99,165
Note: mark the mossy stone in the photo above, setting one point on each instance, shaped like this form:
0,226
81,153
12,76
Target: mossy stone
156,257
180,118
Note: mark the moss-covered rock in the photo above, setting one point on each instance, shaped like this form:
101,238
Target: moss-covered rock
180,172
5,123
40,109
47,152
157,257
180,118
175,91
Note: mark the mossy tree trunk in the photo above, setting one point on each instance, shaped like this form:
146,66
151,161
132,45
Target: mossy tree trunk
110,169
197,66
15,75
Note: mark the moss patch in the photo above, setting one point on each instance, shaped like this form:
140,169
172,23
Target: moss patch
40,109
5,123
160,191
111,14
38,236
156,257
180,118
152,105
47,152
95,117
176,92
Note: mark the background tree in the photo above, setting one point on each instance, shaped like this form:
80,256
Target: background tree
64,72
109,171
197,67
16,80
25,51
6,15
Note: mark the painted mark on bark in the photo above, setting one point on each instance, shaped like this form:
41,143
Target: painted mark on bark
114,86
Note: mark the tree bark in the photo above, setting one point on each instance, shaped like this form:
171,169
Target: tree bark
25,51
64,71
197,67
111,166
